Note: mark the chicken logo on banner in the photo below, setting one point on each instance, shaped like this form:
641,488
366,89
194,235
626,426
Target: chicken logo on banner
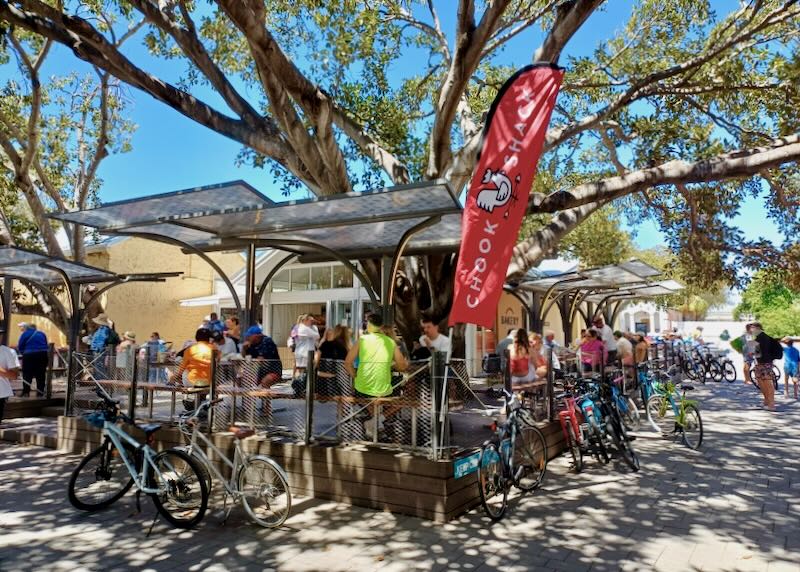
497,195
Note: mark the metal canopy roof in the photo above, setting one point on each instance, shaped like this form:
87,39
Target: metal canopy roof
231,197
25,264
626,280
233,215
51,270
631,272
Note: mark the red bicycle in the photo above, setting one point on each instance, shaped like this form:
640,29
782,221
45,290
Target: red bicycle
571,426
582,432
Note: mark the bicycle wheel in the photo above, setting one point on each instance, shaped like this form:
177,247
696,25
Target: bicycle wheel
100,479
201,465
717,372
492,483
709,371
183,496
692,427
617,432
660,413
266,495
599,446
631,414
729,372
574,449
530,457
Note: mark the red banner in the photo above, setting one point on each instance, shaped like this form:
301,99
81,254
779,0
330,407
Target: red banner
498,193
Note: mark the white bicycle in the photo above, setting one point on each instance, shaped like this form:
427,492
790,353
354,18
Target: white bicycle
257,480
173,479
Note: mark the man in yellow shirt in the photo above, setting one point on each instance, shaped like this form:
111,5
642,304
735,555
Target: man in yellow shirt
196,363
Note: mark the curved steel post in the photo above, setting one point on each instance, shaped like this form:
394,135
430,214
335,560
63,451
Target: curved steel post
398,253
277,268
193,250
50,296
545,304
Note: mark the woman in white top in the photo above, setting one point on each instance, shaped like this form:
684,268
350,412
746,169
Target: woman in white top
9,370
307,339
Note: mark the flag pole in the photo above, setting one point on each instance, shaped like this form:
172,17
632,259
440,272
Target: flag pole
443,408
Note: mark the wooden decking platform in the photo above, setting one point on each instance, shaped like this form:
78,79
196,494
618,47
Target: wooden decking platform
364,475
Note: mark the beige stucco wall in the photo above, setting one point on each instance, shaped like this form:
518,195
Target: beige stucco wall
145,307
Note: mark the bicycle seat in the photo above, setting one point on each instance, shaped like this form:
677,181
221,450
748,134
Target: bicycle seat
687,387
242,432
150,428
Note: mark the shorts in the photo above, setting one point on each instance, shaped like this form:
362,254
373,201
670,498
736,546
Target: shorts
790,369
763,372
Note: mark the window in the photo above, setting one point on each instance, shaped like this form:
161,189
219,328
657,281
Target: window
300,279
280,282
320,277
342,277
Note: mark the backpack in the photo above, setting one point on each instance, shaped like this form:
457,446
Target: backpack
113,338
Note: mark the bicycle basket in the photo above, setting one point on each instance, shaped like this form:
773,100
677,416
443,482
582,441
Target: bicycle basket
96,418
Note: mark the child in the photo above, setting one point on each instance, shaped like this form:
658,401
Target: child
791,357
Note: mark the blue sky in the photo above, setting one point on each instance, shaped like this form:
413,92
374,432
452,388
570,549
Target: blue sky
172,152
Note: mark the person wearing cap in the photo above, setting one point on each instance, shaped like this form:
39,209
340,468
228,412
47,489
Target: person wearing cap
791,359
261,348
307,340
32,346
224,344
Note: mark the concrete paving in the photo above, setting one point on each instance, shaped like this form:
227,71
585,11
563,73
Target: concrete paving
733,506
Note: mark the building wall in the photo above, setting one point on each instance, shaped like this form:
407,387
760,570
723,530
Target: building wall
144,307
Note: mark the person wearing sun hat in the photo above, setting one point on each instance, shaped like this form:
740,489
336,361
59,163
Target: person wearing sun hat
98,341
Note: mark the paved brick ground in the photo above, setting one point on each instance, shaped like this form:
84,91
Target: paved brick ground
733,506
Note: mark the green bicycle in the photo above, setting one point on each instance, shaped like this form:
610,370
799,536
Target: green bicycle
673,413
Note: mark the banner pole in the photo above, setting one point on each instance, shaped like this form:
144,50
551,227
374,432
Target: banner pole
443,407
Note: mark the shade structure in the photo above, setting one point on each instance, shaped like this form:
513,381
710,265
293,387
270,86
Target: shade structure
605,278
233,215
48,270
222,215
223,198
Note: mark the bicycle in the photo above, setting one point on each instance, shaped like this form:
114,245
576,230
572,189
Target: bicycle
614,425
776,376
257,480
516,455
673,413
581,429
172,478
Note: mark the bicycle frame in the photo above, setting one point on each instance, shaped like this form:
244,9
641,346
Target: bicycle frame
235,465
117,437
569,415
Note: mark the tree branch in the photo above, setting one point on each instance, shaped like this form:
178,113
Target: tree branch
89,45
740,163
647,85
531,251
570,16
469,45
